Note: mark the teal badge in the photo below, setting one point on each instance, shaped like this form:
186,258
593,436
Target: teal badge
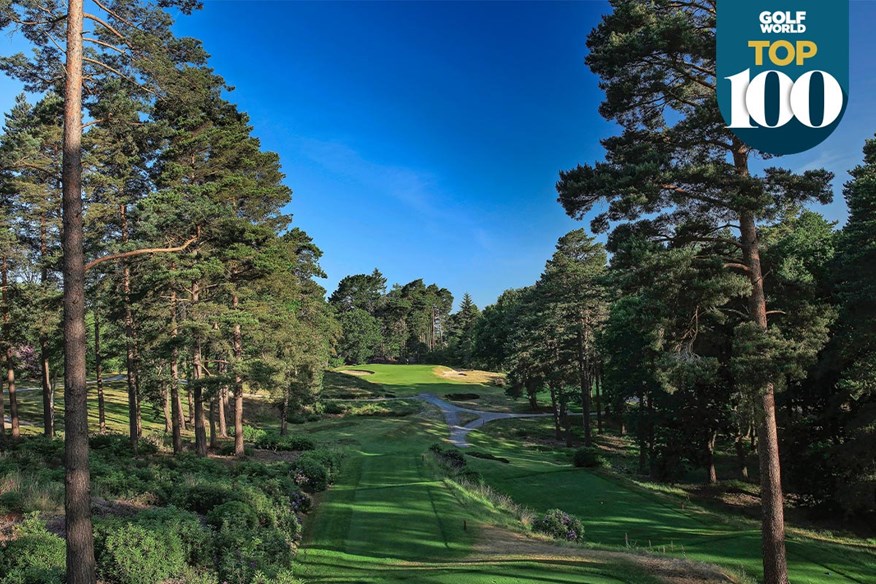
783,71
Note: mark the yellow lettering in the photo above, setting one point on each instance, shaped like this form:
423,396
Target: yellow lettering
805,50
758,47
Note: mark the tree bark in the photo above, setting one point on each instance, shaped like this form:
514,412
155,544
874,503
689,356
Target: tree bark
45,368
598,383
532,394
200,430
178,422
284,412
168,416
775,565
98,372
10,363
641,429
213,443
710,458
586,387
77,498
556,411
741,457
130,365
237,347
222,401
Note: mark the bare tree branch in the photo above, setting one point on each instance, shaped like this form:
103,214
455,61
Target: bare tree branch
137,252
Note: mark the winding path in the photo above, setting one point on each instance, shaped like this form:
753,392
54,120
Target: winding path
458,433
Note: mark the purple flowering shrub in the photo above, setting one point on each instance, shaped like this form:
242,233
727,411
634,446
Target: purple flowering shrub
560,525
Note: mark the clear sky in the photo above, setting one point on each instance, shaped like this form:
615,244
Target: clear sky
425,139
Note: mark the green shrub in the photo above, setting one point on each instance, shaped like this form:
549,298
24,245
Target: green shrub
12,501
296,442
35,556
135,554
300,502
334,408
560,525
244,554
588,457
293,442
252,434
196,540
330,458
311,475
234,514
203,497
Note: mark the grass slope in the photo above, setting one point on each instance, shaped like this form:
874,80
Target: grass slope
618,513
390,520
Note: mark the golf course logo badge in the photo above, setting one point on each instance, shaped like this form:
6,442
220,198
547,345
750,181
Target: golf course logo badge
783,71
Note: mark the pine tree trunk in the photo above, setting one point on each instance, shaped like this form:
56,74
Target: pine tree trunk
741,458
556,412
237,347
178,421
652,452
710,458
641,429
200,430
191,405
98,372
284,413
133,422
48,390
598,382
213,443
10,363
586,387
13,397
533,397
45,368
772,502
168,417
221,401
77,499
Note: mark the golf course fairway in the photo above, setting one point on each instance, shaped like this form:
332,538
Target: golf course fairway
391,517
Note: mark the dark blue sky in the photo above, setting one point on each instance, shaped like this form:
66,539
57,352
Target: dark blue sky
425,138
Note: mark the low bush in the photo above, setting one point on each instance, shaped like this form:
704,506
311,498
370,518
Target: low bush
247,556
235,514
310,475
560,525
588,457
202,497
334,408
35,556
171,522
135,554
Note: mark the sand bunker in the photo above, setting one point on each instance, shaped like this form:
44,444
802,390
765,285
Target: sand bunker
356,372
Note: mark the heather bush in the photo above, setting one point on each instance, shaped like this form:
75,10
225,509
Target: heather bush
560,525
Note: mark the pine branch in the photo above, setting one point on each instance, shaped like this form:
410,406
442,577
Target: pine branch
137,252
104,24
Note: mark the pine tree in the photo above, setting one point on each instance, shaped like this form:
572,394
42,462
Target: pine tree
676,160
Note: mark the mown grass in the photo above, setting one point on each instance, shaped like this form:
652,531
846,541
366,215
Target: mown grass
390,518
618,512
